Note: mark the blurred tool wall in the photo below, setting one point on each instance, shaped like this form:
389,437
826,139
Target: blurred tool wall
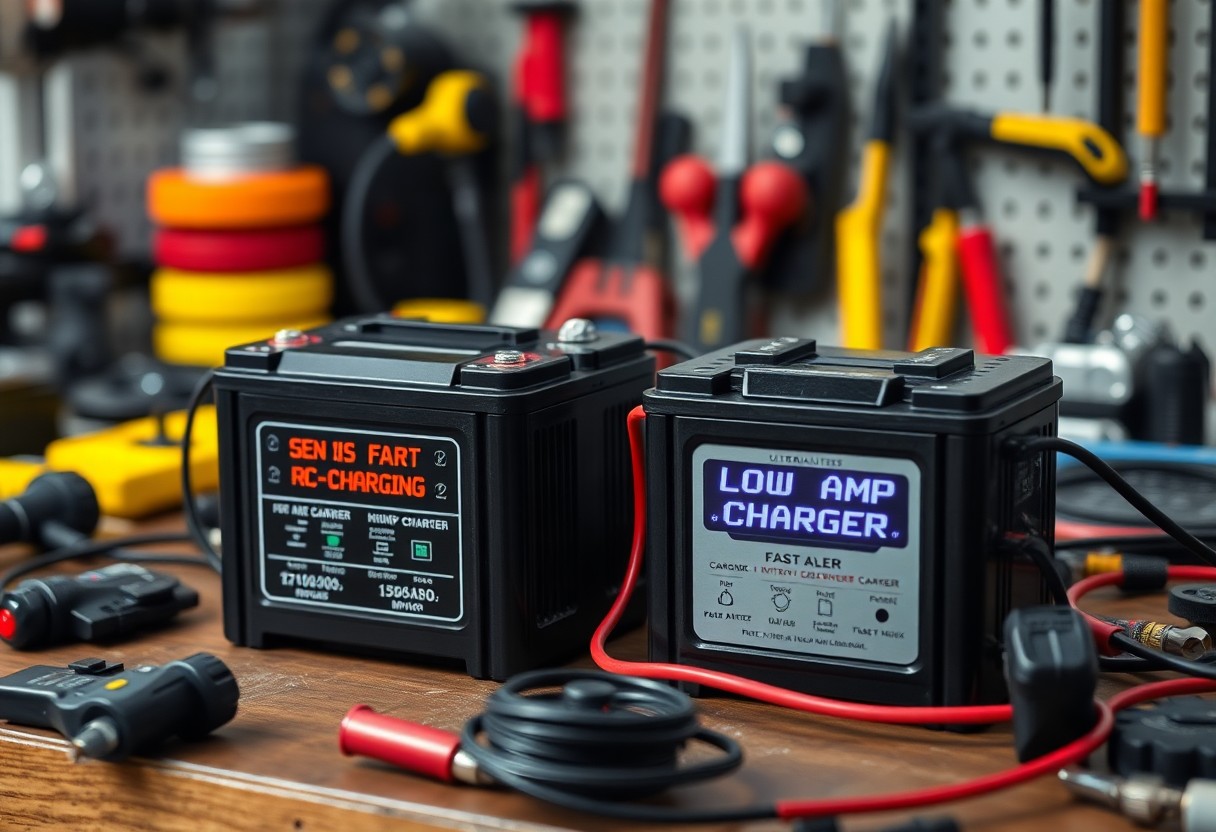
989,61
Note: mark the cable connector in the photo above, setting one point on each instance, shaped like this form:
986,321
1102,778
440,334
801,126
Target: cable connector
1146,799
1189,642
1141,573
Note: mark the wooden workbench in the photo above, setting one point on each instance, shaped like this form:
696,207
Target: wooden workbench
276,766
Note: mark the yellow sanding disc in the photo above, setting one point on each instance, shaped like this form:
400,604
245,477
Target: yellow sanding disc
203,345
241,297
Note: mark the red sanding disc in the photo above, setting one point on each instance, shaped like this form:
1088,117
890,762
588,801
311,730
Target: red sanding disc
238,251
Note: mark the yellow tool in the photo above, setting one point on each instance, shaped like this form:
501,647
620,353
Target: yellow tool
957,225
236,297
858,227
1152,86
16,475
456,118
135,467
937,295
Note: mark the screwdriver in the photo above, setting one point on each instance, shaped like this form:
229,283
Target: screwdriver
1047,49
627,287
1150,96
859,272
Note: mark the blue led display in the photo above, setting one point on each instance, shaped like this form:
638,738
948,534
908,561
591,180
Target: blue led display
861,510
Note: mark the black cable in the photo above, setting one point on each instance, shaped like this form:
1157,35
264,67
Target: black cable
671,345
112,548
354,252
1038,551
598,743
195,528
1141,503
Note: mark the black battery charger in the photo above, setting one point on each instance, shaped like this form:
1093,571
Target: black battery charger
427,490
844,522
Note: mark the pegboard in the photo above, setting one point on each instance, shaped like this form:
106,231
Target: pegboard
989,54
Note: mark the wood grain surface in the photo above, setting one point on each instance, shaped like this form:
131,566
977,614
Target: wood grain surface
276,766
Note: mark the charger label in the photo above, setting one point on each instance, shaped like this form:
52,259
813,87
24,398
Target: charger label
816,554
360,521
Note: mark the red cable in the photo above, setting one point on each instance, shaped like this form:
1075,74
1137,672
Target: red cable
897,714
1074,752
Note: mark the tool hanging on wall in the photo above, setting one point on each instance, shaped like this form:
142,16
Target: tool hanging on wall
812,139
626,287
570,225
370,61
539,111
1080,324
859,226
1199,202
730,218
1047,50
957,228
1151,93
456,121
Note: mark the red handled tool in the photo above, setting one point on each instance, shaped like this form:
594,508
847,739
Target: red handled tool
540,105
627,288
729,219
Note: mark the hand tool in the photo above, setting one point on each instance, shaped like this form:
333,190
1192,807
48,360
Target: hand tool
135,468
100,605
858,227
1079,327
571,221
540,111
729,226
812,138
1151,93
626,286
109,713
957,222
1047,50
457,120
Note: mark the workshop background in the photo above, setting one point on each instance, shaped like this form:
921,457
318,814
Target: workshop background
105,133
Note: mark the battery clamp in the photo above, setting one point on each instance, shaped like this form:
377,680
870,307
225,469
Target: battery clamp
451,491
837,520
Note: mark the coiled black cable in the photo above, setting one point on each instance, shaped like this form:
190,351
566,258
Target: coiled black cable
589,741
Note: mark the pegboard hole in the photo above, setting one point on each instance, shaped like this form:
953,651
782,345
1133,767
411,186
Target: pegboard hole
1195,301
1042,251
1198,260
1161,257
1159,298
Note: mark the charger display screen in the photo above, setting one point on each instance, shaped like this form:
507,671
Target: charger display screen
860,510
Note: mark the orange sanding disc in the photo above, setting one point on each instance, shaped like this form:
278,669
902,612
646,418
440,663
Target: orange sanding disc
260,200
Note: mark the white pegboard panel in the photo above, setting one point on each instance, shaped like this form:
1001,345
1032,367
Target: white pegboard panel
989,63
122,132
